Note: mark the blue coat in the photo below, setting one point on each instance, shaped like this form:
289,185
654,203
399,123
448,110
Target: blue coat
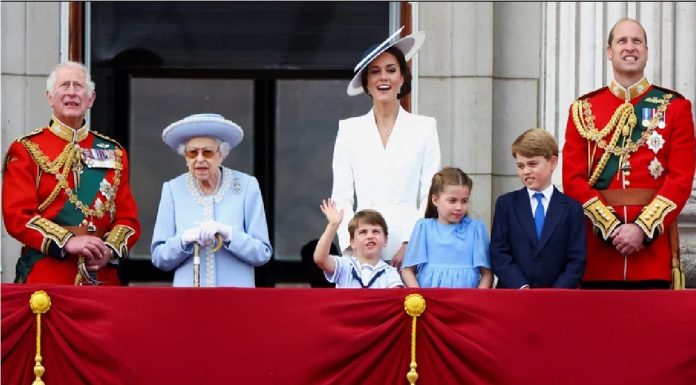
238,204
518,258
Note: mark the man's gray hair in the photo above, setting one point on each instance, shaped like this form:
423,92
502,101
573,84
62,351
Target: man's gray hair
51,80
223,147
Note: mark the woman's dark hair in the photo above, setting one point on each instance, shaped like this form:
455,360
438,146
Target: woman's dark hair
403,67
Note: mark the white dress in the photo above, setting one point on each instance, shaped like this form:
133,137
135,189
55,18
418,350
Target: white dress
394,180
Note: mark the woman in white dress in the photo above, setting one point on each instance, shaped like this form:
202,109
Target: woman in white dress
207,201
387,157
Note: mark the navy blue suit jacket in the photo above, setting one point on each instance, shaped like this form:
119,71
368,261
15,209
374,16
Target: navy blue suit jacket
518,258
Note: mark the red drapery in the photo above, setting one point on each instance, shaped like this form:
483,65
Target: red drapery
118,335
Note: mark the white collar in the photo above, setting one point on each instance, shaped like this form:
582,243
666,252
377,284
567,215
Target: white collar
380,265
547,192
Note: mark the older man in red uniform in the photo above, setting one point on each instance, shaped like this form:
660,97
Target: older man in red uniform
66,195
629,159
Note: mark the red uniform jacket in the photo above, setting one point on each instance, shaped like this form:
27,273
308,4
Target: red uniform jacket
662,163
40,199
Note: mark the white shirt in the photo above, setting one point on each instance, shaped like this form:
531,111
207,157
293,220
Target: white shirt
547,192
350,273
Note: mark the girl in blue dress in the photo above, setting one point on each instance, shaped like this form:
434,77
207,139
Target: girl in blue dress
448,248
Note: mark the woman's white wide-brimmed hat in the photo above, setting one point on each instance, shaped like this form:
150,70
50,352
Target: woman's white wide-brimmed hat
408,45
210,125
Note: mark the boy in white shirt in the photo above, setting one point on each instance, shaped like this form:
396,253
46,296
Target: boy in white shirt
368,236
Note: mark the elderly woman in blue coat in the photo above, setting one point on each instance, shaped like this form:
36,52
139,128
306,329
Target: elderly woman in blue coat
207,201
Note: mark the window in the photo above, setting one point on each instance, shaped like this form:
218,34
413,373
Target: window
279,69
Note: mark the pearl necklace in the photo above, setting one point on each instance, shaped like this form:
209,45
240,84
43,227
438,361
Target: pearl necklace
208,201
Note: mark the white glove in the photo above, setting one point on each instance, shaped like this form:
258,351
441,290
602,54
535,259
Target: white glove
210,228
189,236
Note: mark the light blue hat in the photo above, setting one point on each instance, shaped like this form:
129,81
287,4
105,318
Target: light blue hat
408,45
212,125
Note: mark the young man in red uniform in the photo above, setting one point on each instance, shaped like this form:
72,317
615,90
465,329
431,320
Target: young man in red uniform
66,195
629,159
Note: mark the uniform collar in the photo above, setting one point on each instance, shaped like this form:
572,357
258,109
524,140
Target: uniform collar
631,92
67,133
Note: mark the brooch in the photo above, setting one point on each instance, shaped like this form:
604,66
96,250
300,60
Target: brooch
236,186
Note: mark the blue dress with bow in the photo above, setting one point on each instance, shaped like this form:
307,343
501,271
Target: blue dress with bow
448,255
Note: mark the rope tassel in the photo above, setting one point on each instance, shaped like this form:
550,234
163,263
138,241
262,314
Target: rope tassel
39,303
414,305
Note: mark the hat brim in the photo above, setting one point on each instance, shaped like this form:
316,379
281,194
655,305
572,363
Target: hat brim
215,127
408,45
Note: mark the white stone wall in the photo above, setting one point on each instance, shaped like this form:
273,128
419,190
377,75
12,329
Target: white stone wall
479,73
456,87
30,50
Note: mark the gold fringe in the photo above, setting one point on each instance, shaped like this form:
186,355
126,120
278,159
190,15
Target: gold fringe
414,305
39,303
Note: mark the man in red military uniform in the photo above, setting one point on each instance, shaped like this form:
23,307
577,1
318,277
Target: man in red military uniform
66,195
629,159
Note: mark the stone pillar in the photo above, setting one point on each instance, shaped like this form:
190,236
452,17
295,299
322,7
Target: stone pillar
30,50
516,74
456,87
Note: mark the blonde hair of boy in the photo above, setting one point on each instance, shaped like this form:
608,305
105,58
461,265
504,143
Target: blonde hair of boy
535,142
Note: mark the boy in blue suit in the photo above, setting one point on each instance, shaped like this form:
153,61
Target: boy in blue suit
538,235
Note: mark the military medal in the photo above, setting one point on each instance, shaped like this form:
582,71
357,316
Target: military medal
647,116
655,168
655,142
661,123
107,189
90,225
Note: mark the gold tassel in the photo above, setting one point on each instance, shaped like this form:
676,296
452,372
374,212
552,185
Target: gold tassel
39,303
678,278
414,305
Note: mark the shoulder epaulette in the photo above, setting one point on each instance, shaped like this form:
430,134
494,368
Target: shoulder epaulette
107,138
593,93
36,131
667,90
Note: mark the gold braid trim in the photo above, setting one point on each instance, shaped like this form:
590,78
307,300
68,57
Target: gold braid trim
61,167
65,161
107,138
621,123
117,238
603,218
653,215
49,230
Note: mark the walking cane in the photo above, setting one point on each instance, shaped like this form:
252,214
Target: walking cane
197,259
